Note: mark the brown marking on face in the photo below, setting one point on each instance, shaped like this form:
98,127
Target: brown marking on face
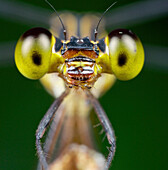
74,53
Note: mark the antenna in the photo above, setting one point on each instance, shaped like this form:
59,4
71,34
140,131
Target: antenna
64,30
96,30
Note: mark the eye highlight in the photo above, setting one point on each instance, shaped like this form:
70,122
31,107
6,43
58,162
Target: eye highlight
126,54
33,52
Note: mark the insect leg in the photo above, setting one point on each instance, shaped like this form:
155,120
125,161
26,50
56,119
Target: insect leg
44,124
106,126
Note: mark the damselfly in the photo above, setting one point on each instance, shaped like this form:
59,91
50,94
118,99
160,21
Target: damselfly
76,70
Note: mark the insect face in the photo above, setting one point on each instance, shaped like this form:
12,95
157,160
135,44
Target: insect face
80,68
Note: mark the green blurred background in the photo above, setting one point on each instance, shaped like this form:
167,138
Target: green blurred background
138,109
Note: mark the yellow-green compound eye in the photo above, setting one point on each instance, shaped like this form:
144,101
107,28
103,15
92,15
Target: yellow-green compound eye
126,54
33,52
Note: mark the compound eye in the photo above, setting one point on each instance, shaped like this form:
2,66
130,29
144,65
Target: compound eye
126,54
33,52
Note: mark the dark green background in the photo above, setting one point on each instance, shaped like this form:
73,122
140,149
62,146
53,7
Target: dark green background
138,109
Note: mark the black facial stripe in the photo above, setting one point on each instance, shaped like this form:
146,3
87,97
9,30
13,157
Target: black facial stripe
80,58
77,68
80,78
